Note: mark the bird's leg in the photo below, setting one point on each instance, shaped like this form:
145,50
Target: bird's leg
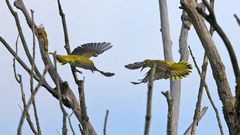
80,72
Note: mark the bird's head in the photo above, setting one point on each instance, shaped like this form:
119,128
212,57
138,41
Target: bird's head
147,63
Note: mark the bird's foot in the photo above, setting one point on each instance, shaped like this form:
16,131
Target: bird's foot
76,70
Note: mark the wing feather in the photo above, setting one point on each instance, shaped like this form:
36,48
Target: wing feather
91,49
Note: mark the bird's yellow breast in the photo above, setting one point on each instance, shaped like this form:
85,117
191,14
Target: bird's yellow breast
73,59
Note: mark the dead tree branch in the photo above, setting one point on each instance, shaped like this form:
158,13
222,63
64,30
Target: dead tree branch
70,123
64,120
149,101
212,20
201,114
31,77
83,106
68,96
66,38
33,94
175,86
170,113
237,19
217,66
105,123
24,43
18,78
200,93
26,68
186,25
208,94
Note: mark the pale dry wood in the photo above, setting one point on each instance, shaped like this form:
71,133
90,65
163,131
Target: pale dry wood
170,113
149,101
201,114
69,98
216,63
31,77
175,86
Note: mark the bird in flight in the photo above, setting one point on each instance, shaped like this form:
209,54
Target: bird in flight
80,56
164,69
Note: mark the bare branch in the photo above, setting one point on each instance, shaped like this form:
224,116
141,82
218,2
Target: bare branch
212,20
64,24
200,93
170,113
19,80
167,42
216,63
31,77
196,116
175,86
237,19
201,114
24,43
149,101
66,38
70,123
186,25
69,98
19,131
105,123
208,93
64,127
25,67
83,106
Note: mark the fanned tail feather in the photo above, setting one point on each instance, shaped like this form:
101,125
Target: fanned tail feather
180,70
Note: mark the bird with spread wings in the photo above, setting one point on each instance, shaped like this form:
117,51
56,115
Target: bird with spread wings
164,69
80,56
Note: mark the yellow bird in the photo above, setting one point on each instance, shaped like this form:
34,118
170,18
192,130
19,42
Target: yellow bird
80,56
164,69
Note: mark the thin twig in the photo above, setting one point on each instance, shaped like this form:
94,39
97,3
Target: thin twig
149,101
208,93
83,106
66,38
64,24
196,116
31,77
201,114
212,20
219,74
33,94
204,70
26,68
105,123
24,43
69,99
64,120
70,123
18,78
170,112
237,19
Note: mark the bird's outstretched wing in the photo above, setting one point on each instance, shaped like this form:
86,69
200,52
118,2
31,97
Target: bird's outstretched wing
159,74
91,49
